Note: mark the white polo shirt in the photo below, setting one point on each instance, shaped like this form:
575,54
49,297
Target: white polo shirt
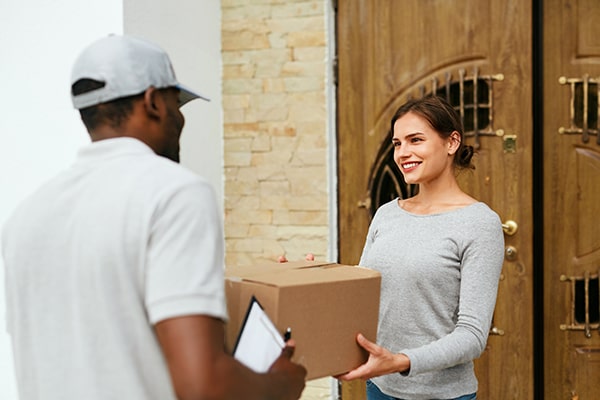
121,240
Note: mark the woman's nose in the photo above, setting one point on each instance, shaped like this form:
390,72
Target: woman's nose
401,152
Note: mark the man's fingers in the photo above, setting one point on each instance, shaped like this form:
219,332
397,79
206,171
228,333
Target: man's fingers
288,350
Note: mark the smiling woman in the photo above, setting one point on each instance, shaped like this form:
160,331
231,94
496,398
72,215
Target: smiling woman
428,147
440,118
440,254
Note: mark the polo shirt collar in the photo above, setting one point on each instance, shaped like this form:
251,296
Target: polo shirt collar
114,147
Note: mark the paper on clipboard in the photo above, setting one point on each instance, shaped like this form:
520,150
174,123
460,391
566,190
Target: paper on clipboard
259,343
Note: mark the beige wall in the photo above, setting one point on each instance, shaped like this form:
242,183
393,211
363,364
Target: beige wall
278,120
276,128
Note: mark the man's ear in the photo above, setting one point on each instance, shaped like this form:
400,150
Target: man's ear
152,102
453,142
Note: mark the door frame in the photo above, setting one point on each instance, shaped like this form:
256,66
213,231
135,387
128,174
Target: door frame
538,196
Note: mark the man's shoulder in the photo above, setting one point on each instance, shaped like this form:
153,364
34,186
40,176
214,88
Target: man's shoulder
161,170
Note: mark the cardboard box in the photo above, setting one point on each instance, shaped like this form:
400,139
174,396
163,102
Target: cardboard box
325,304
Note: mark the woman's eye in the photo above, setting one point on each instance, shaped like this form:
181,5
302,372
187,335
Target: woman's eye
396,144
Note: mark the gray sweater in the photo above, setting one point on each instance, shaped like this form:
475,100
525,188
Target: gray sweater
440,277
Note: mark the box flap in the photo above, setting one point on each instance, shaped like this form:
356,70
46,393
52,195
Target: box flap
298,273
270,266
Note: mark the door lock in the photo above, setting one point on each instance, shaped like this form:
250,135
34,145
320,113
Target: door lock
510,253
510,143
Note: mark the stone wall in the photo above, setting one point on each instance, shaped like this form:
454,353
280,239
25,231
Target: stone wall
275,134
275,129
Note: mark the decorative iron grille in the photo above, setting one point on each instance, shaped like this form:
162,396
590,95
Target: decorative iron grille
585,303
583,107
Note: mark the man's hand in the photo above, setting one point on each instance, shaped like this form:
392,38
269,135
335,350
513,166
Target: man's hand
294,374
194,350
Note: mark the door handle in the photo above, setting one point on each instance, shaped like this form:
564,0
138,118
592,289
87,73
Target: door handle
510,227
496,331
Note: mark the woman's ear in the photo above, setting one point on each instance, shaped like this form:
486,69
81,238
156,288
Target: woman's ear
453,142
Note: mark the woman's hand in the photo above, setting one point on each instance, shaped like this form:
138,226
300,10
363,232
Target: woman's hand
380,362
309,257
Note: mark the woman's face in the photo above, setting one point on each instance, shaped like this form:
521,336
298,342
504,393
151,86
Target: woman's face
422,155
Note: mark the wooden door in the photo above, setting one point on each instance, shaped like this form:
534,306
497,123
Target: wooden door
571,199
476,53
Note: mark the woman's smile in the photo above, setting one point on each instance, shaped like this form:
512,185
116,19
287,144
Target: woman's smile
409,166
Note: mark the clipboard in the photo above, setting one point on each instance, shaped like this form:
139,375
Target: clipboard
259,343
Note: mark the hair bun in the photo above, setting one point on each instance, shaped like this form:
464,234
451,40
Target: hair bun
465,156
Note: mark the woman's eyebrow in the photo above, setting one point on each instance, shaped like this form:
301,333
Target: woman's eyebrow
408,136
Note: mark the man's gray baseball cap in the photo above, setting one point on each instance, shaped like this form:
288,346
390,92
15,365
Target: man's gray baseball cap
127,66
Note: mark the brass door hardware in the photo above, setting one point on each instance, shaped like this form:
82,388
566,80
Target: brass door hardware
510,227
510,253
509,143
496,331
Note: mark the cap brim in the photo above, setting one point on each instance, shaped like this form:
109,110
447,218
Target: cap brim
186,95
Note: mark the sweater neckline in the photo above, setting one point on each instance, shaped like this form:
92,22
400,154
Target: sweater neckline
435,214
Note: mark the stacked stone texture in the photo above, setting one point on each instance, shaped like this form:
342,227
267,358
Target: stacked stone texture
275,119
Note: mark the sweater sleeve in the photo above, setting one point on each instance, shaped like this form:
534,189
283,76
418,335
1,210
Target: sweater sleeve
483,254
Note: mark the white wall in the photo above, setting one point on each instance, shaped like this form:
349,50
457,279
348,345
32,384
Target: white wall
190,31
40,132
